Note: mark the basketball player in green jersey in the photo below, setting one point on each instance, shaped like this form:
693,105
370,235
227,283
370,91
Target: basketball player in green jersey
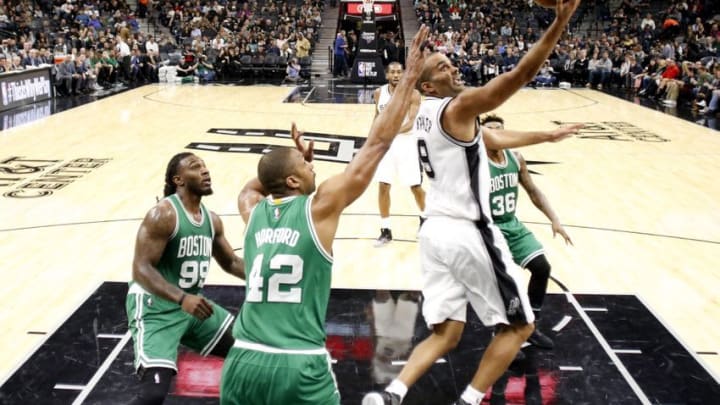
164,306
507,169
279,355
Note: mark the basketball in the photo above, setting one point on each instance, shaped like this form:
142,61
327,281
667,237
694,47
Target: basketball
546,3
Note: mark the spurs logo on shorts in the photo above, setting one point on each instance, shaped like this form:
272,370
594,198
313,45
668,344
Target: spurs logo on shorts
513,306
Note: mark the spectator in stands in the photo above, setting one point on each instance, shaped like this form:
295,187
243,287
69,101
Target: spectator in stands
151,46
339,61
390,50
137,66
205,70
510,60
32,60
648,22
302,46
602,71
292,71
491,65
66,77
580,68
186,70
546,75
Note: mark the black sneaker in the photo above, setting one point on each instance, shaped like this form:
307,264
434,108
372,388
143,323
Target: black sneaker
461,401
539,340
384,238
381,398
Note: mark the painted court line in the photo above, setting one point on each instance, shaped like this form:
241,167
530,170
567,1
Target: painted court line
110,336
49,333
208,147
563,323
675,335
71,387
604,344
627,351
239,149
101,371
591,309
570,368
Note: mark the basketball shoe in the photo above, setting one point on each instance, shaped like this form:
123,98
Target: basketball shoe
381,398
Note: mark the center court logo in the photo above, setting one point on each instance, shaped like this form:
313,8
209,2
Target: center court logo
328,147
615,131
32,178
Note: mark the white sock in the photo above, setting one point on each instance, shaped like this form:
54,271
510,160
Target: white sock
472,396
385,222
397,387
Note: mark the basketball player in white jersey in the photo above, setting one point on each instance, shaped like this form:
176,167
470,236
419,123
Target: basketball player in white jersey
463,256
402,158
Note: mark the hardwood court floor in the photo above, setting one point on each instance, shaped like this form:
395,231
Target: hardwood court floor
637,191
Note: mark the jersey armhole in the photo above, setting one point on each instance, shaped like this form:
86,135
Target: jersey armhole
313,232
177,218
250,216
445,102
514,158
209,218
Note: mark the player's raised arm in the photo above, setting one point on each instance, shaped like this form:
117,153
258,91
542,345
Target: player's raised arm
497,139
249,196
463,110
341,190
223,252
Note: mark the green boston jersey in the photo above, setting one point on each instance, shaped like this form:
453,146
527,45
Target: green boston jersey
288,286
186,259
504,187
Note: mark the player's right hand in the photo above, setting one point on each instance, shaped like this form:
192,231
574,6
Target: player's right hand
197,306
306,149
564,132
416,54
565,9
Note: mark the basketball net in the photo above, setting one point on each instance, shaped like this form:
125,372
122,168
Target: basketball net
368,6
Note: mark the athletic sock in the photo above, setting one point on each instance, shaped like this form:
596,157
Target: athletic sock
472,396
397,387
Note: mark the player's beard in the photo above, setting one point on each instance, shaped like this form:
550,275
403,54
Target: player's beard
198,189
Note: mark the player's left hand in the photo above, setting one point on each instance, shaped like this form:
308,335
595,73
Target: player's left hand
306,149
565,132
558,229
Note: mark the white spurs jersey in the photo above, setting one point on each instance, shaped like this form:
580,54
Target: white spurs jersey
458,172
384,99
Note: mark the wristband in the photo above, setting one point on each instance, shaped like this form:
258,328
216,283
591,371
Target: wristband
182,297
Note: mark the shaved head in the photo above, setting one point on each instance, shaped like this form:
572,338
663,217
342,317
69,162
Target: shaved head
274,167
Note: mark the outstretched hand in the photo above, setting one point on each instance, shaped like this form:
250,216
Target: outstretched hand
565,132
565,9
416,55
558,229
306,149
